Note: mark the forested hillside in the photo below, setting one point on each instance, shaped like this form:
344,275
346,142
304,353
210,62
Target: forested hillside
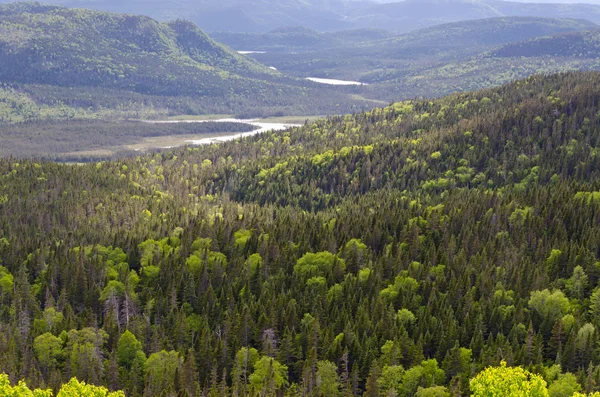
568,45
444,59
73,47
377,61
62,63
394,252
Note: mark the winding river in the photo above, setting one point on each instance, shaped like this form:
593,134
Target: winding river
260,127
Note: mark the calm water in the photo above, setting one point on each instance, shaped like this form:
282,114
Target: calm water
334,81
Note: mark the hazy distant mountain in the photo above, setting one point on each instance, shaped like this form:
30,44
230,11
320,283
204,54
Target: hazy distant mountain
385,59
584,44
261,16
299,39
234,15
414,14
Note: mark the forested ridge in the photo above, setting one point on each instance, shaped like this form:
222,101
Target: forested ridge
394,252
61,63
434,61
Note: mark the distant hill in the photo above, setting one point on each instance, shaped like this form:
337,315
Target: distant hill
261,16
381,60
234,15
562,52
414,14
453,57
94,59
299,39
74,47
575,44
471,36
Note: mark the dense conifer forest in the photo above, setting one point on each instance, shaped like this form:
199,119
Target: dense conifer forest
396,252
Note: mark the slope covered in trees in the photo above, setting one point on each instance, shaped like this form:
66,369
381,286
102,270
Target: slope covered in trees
450,58
570,45
97,63
377,61
402,250
74,47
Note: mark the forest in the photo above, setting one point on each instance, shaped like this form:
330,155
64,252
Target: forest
431,248
69,77
434,61
62,64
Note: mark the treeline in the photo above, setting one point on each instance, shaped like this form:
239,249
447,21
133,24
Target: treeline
395,252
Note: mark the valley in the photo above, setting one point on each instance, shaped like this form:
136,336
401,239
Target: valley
287,72
295,204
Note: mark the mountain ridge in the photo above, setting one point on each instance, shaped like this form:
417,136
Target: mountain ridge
399,17
175,65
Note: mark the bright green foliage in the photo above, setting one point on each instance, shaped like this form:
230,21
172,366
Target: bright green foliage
435,391
316,283
244,362
436,155
160,371
20,390
519,216
73,388
327,379
48,350
428,374
553,261
506,381
76,389
255,262
549,305
390,353
588,197
355,244
578,283
83,354
391,378
595,306
129,350
6,281
319,264
241,237
565,386
113,289
269,375
50,321
402,284
480,288
364,274
406,317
